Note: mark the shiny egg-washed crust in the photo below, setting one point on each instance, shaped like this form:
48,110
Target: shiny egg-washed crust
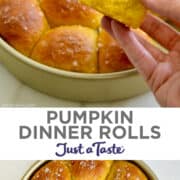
123,170
111,56
89,170
54,170
22,23
70,48
64,12
129,12
62,34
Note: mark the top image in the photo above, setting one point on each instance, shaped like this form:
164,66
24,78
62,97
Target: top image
89,53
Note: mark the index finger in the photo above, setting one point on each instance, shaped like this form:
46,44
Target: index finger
139,56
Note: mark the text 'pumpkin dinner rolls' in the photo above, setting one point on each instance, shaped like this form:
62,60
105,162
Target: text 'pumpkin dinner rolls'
21,23
72,48
129,12
111,57
70,12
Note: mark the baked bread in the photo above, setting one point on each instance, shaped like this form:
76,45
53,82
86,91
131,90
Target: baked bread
21,23
129,12
89,170
124,170
63,34
70,12
111,57
53,170
71,48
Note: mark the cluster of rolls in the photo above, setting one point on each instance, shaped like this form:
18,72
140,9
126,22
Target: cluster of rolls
63,34
89,170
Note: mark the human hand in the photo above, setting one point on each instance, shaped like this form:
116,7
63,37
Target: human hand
160,70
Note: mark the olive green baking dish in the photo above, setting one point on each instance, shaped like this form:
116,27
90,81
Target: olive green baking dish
142,165
71,85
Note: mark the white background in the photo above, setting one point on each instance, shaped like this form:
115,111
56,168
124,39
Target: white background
165,148
165,170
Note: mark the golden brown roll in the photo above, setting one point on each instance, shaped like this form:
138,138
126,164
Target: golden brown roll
124,170
54,170
90,170
21,23
72,42
70,48
111,57
70,12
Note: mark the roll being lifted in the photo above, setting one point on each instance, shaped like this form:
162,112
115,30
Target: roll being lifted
129,12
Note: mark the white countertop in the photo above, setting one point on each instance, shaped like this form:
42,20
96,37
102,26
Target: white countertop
14,93
165,170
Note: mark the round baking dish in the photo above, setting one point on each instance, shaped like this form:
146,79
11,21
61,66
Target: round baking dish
143,166
71,85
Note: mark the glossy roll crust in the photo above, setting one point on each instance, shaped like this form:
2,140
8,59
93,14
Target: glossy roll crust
111,56
89,170
70,12
21,23
71,48
62,34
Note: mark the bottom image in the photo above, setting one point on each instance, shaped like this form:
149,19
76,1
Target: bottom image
90,170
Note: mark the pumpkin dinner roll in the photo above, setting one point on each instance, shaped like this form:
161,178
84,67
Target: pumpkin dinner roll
90,170
124,170
21,23
72,48
129,12
70,12
52,171
111,57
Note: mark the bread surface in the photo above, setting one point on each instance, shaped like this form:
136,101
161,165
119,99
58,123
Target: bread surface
89,170
70,48
111,56
129,12
21,23
124,170
62,34
70,12
54,170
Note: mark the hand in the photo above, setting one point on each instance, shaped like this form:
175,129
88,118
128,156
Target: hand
161,70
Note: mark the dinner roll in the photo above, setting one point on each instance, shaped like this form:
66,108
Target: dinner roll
52,171
90,170
124,170
66,34
111,57
129,12
70,12
70,48
21,23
